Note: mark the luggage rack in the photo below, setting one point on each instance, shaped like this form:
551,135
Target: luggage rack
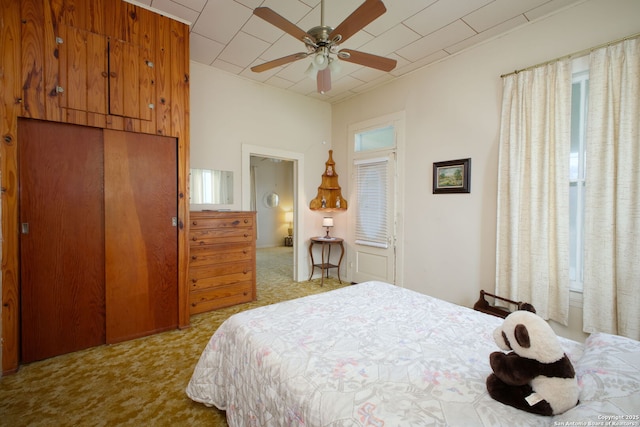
498,310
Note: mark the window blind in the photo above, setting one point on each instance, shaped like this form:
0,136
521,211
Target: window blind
371,226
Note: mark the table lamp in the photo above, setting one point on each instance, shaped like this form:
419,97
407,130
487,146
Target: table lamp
288,217
327,222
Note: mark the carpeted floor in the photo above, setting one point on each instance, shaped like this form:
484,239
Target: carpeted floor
139,382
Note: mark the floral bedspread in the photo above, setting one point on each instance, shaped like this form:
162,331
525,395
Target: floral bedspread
375,354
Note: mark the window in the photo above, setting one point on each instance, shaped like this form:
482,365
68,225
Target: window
375,139
372,228
577,165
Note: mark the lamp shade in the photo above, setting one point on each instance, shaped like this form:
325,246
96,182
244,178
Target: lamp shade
288,216
327,221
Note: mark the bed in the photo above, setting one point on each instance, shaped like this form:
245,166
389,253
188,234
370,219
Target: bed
375,354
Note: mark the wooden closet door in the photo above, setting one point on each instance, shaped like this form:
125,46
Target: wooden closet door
141,201
62,239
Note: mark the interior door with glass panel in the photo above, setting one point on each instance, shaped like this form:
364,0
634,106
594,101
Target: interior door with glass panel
372,211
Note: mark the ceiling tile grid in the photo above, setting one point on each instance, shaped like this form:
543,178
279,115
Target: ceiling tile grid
226,35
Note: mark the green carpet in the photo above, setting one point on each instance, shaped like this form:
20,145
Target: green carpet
139,382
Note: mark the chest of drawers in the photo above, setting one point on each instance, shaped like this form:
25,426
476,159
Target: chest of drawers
222,259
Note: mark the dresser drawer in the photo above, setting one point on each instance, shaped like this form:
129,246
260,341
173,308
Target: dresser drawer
201,255
239,221
220,275
220,235
211,299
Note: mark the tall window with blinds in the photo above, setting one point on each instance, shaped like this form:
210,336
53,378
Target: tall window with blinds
372,227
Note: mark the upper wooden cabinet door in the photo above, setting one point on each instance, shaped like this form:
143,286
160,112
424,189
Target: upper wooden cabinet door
104,76
131,80
83,70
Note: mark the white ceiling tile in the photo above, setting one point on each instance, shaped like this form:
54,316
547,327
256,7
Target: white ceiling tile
251,4
291,10
225,66
196,5
422,62
367,74
279,82
390,41
485,35
499,11
284,46
547,8
243,49
397,13
345,83
261,29
295,71
440,14
222,20
452,33
203,50
357,41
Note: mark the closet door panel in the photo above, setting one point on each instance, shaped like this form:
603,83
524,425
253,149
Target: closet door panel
62,239
141,238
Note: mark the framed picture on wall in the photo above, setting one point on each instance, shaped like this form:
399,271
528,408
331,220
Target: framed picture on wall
452,176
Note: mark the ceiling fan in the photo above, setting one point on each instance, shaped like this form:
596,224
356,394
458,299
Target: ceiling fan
323,42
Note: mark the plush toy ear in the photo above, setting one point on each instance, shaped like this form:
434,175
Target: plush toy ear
522,335
527,307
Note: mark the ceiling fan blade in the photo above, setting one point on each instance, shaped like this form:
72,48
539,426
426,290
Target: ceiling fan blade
368,60
324,81
285,25
360,18
277,62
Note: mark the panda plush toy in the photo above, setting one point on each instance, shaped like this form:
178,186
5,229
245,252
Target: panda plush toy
535,374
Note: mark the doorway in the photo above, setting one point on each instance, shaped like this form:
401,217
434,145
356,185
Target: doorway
264,198
375,159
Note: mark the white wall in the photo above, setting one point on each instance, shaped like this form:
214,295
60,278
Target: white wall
228,111
452,111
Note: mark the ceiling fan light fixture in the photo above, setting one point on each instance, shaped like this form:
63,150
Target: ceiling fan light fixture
322,58
311,71
335,66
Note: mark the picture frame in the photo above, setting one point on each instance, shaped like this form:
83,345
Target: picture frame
452,176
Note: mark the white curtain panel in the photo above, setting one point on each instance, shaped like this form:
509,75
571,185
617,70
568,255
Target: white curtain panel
612,200
533,190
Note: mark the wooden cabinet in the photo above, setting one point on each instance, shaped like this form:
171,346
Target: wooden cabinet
101,64
222,266
329,197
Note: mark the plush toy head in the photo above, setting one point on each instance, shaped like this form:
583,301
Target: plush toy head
528,335
535,376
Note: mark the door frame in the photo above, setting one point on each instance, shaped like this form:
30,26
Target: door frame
397,120
248,150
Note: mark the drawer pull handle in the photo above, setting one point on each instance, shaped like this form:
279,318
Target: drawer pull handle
246,235
195,223
245,271
195,239
246,221
194,280
194,257
244,251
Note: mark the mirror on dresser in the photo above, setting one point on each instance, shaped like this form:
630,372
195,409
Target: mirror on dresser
214,187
